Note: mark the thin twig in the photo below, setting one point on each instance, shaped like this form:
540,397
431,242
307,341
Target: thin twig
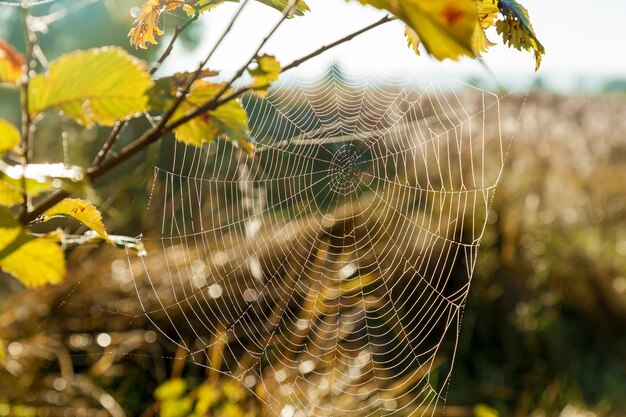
166,53
243,68
30,40
184,90
216,101
119,127
106,147
347,38
154,134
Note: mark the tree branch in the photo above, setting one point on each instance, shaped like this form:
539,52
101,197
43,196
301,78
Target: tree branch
216,101
156,133
119,127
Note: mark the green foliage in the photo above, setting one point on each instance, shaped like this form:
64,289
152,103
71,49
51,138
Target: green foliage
98,86
172,389
266,72
229,120
146,26
175,399
108,87
34,261
9,136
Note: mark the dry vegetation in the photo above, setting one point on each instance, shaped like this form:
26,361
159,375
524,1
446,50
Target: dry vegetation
544,326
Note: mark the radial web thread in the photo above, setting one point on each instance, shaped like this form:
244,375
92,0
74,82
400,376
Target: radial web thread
329,273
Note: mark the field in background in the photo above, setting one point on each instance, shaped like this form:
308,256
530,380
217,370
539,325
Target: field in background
544,332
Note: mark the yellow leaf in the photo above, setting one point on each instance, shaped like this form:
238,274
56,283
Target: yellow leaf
33,261
9,136
81,210
36,263
412,40
95,86
171,389
146,25
266,71
11,192
10,230
487,13
145,28
11,63
40,178
229,119
445,27
482,410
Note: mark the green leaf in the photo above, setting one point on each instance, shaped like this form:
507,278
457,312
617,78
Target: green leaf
11,63
40,178
265,72
444,27
11,191
97,86
517,31
34,261
176,408
9,136
162,94
482,410
171,389
207,397
81,210
10,230
230,410
229,119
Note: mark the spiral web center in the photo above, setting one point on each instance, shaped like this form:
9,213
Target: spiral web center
329,274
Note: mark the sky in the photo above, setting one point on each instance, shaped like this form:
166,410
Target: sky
579,40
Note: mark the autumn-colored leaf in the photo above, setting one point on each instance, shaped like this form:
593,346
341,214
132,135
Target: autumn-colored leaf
517,31
11,63
146,28
146,25
266,71
9,136
444,27
81,210
487,14
229,119
412,40
299,9
165,88
34,261
96,86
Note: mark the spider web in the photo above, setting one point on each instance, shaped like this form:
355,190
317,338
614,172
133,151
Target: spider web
329,273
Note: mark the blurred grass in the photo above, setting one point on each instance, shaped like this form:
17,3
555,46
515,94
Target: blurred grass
543,332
